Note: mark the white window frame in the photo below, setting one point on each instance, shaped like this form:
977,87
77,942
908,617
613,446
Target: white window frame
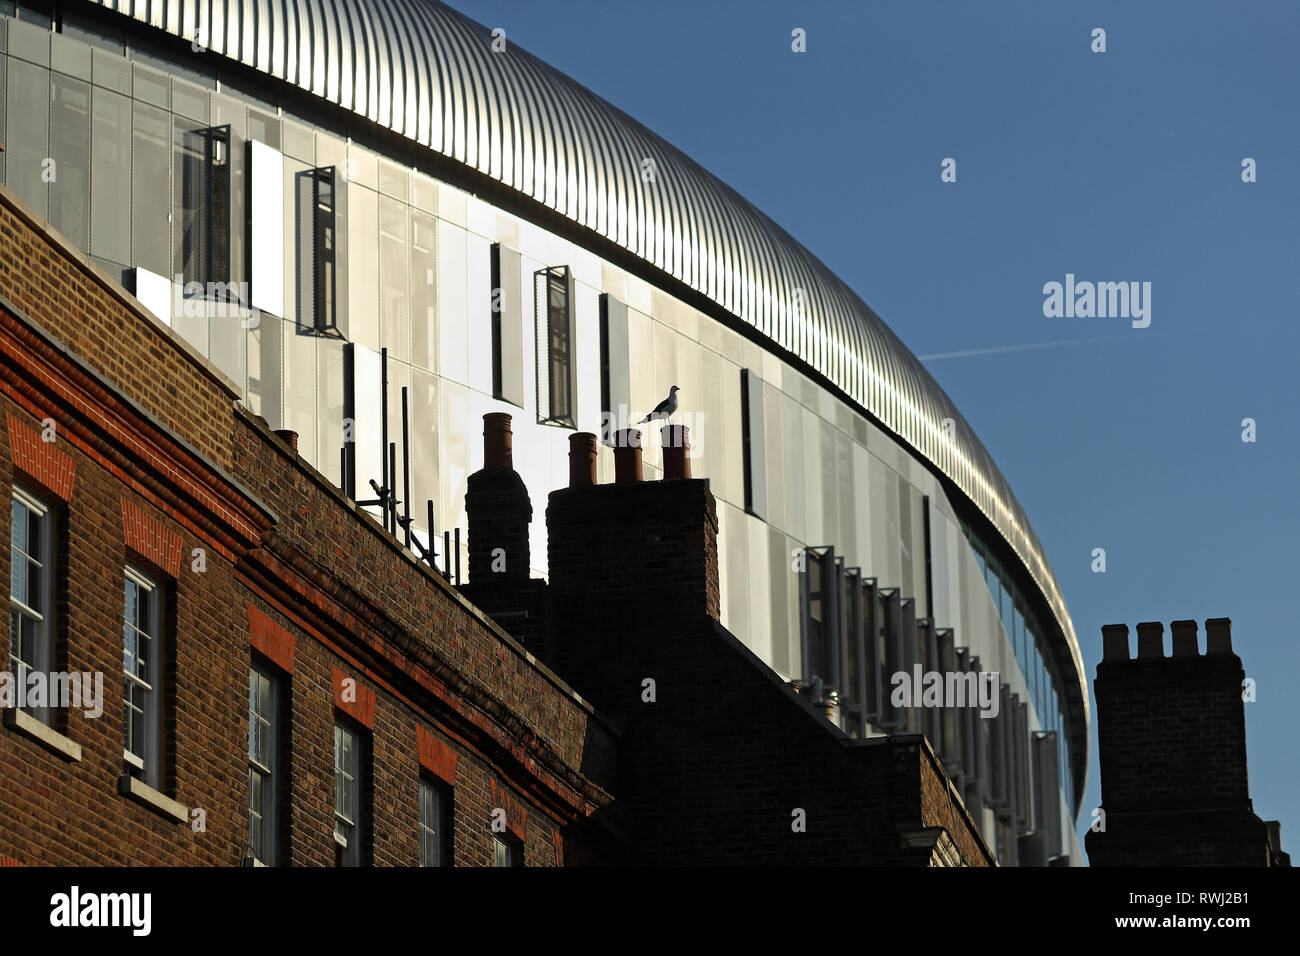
146,765
265,775
348,831
43,650
506,851
437,806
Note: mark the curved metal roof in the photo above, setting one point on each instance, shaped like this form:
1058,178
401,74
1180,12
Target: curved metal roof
428,73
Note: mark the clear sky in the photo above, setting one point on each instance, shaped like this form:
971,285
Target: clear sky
1117,166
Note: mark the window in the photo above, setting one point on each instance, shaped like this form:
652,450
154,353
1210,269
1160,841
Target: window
507,326
755,457
349,810
506,851
615,380
555,347
435,824
264,774
497,301
203,207
141,665
819,617
30,590
317,251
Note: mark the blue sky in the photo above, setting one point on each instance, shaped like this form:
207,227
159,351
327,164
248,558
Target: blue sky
1115,166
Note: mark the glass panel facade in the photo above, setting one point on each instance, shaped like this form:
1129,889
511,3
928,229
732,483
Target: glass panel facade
27,134
69,173
394,278
151,190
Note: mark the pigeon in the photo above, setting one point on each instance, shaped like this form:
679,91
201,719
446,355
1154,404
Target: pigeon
665,408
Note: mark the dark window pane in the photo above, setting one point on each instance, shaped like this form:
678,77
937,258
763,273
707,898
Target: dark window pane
316,241
202,188
559,337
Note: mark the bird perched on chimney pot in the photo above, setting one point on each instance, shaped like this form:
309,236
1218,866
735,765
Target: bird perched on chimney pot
665,408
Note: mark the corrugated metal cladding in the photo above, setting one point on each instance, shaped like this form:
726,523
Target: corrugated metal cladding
428,73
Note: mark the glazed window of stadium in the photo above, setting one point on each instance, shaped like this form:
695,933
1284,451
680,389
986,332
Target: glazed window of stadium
820,633
507,326
754,456
317,245
203,210
555,346
853,636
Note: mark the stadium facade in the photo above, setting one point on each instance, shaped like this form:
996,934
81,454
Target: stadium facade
311,191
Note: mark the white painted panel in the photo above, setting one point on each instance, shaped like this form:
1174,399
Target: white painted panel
266,227
156,293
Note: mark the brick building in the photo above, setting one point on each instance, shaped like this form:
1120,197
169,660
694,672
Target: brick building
244,567
1172,736
284,683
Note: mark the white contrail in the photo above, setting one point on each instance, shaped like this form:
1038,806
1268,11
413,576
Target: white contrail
1000,349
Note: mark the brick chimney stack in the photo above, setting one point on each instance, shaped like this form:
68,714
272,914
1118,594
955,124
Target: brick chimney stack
627,560
635,547
1171,733
498,510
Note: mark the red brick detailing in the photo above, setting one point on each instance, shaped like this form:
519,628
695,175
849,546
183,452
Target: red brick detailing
151,539
41,459
362,708
516,815
271,640
557,841
9,861
436,757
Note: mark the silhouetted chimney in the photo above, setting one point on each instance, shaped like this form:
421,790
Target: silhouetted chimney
498,510
639,547
627,456
1171,734
626,559
677,451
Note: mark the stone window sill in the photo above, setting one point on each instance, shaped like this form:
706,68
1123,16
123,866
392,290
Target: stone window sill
48,737
141,792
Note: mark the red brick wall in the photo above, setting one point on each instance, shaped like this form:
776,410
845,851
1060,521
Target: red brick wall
75,302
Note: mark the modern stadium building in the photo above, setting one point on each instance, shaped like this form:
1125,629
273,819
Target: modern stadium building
313,191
